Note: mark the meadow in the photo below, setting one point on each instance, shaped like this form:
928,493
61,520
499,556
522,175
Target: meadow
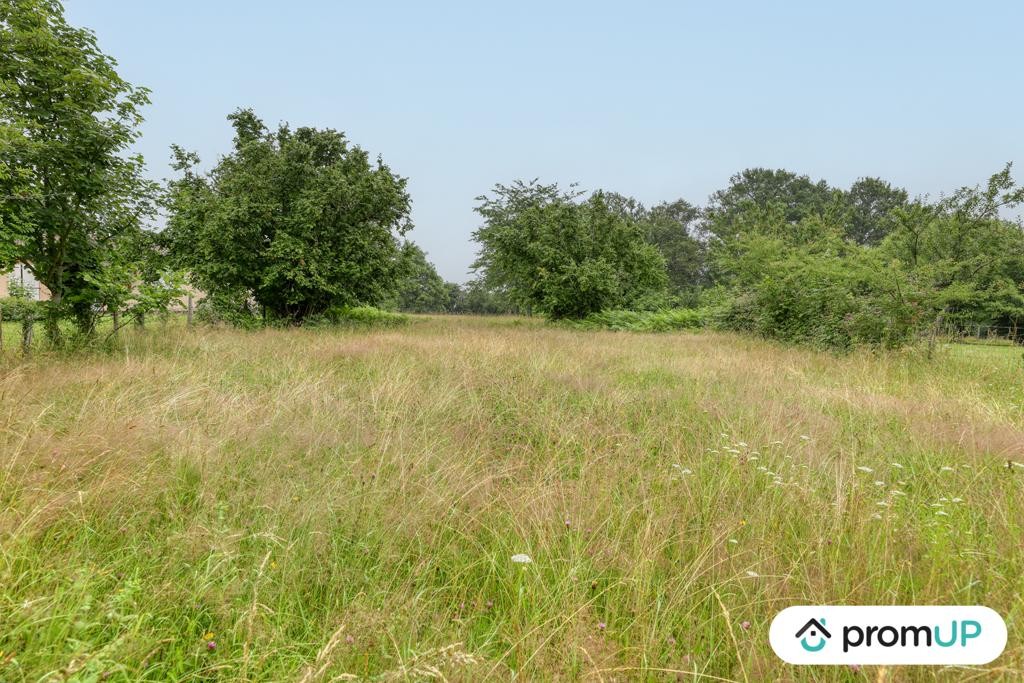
321,505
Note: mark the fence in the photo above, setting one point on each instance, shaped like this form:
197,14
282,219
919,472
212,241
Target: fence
992,335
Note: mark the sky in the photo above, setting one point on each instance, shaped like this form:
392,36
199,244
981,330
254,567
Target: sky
657,100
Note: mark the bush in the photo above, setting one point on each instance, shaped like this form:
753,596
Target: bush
233,308
362,316
821,300
643,321
18,309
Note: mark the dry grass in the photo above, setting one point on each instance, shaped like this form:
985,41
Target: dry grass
332,505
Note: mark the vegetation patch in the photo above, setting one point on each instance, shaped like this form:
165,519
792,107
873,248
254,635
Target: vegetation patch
362,316
643,321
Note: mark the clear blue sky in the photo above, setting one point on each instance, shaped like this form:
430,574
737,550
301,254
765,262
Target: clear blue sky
655,100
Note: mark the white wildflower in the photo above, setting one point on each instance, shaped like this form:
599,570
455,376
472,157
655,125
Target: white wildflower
521,558
865,468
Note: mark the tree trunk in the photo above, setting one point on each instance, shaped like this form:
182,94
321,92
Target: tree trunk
115,316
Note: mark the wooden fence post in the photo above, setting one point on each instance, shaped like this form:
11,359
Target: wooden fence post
28,327
189,312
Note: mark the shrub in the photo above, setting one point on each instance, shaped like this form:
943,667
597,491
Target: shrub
818,298
363,316
643,321
18,309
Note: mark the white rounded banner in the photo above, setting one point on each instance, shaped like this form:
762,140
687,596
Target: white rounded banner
901,634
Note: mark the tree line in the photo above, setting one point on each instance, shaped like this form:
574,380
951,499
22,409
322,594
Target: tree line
295,225
774,253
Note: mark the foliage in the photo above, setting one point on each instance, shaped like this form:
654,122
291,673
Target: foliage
872,202
966,260
229,307
644,321
297,221
421,289
671,227
561,256
830,294
67,120
789,196
18,307
476,298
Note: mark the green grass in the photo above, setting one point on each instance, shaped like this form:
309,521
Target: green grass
365,316
642,321
345,502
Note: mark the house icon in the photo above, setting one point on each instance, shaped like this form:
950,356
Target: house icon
817,630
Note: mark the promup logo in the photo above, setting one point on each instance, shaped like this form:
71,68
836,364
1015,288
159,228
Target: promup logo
816,628
888,635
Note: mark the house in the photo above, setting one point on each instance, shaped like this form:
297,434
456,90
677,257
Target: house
21,275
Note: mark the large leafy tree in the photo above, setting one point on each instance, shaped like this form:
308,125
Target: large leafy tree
671,227
790,197
872,202
965,259
565,257
70,189
297,221
421,289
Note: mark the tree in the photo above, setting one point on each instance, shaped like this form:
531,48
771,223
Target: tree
66,121
670,227
561,256
296,221
967,262
872,202
828,293
421,289
476,298
792,197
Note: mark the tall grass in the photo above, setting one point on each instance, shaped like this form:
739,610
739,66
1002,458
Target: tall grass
643,321
329,504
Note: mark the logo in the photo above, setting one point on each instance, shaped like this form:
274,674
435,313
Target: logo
815,627
843,634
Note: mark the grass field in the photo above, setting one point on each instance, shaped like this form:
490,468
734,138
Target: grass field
321,505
